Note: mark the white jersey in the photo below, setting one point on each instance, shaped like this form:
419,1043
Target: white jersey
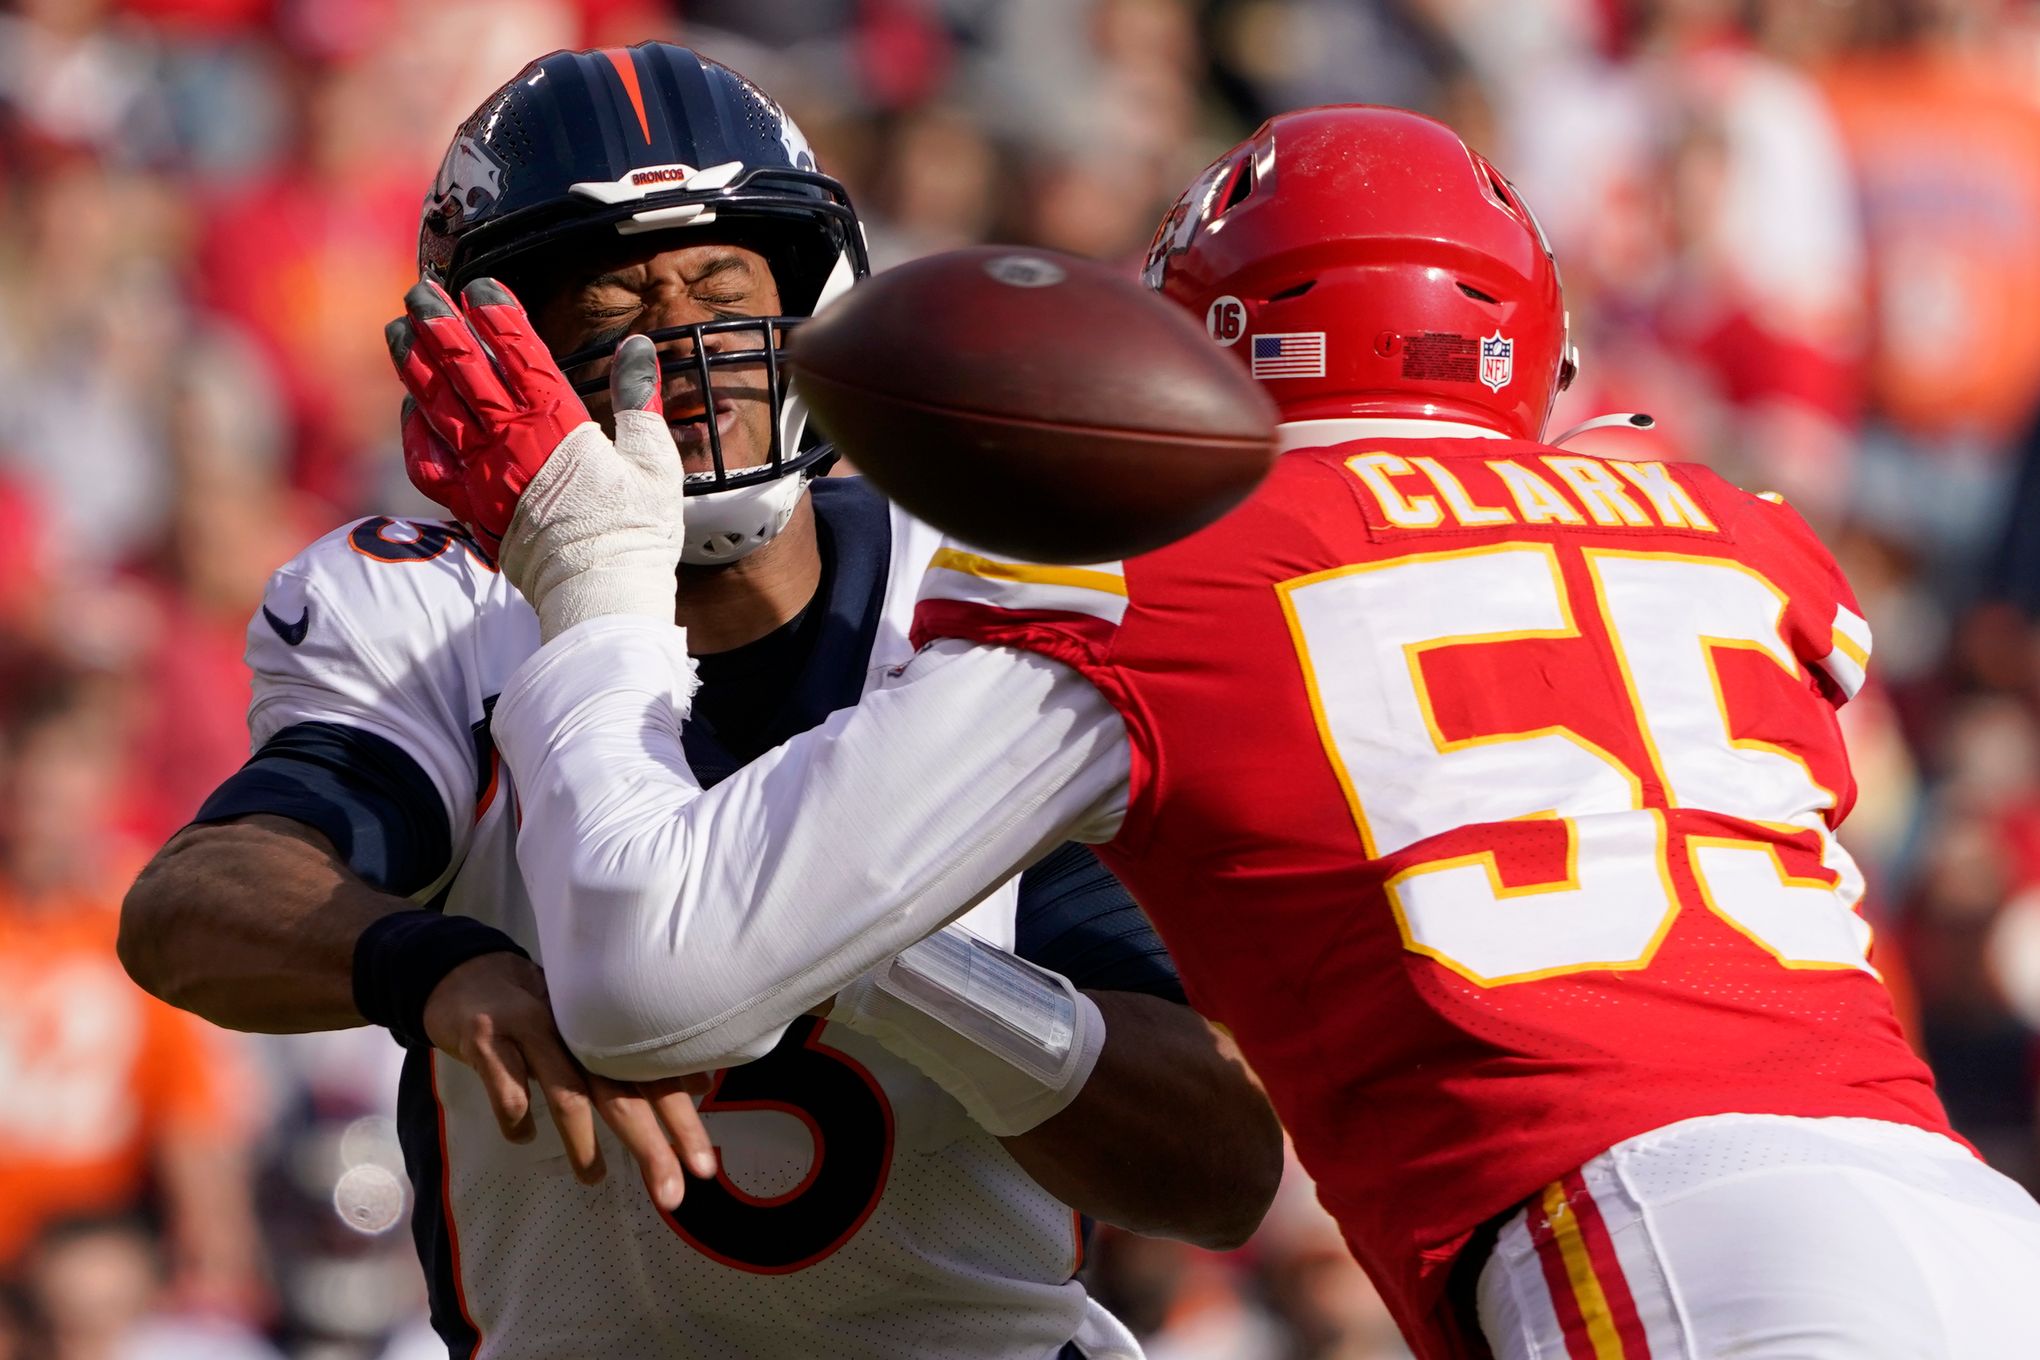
860,1213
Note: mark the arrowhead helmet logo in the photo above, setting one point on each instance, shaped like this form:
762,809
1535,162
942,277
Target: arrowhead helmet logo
1497,361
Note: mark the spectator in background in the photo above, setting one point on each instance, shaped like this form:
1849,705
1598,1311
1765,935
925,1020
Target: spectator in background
14,1337
107,1089
1327,1305
1973,1031
88,320
1183,1303
1946,148
1704,188
1295,1293
231,519
98,1293
24,586
300,253
936,188
76,76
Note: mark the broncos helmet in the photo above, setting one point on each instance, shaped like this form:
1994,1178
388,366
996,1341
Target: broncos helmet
656,138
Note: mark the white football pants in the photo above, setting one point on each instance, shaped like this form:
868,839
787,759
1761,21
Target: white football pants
1761,1237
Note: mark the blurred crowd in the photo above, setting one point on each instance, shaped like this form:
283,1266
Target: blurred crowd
1805,234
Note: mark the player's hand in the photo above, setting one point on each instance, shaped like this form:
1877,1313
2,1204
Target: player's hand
435,468
487,403
493,1013
587,526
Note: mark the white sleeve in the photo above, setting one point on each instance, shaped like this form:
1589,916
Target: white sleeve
380,646
683,929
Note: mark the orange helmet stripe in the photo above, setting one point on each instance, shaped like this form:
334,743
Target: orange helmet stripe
626,71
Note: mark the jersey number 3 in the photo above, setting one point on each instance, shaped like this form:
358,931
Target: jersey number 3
850,1121
1361,633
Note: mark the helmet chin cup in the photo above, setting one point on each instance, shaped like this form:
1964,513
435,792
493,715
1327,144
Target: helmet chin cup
725,526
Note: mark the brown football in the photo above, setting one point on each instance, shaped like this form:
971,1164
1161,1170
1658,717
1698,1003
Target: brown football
1034,404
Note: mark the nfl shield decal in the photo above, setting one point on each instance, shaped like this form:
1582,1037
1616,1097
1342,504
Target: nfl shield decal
1497,361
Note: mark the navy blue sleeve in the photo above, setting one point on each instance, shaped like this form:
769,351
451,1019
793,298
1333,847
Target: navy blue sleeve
1075,918
373,801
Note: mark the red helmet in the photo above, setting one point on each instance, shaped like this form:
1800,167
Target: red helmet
1363,261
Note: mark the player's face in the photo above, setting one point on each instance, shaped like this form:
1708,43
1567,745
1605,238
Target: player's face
651,289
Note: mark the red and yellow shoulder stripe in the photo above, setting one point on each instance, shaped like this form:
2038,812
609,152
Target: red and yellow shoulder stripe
961,574
1848,658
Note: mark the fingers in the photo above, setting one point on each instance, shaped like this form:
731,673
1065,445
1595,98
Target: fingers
504,1080
566,1094
672,1100
642,436
631,1117
634,376
450,350
528,370
430,461
443,406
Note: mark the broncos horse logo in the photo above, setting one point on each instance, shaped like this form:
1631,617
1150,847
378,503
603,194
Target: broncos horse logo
470,179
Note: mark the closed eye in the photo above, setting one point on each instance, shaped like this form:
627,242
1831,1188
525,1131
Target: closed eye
608,338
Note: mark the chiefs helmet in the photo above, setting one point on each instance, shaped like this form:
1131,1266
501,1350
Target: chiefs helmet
655,138
1363,261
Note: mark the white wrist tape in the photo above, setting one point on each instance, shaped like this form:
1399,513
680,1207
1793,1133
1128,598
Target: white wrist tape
1012,1042
598,530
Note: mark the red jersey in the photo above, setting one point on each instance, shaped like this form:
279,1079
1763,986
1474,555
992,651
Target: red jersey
1486,792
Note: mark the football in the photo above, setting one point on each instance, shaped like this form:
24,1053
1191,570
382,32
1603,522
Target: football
1034,404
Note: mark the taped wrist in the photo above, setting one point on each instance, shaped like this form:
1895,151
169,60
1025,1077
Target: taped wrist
580,545
1013,1043
399,959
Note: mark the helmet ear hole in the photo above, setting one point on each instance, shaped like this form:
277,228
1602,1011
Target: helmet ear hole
1569,366
1242,185
1497,187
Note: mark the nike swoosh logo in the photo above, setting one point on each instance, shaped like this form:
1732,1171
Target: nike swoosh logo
291,633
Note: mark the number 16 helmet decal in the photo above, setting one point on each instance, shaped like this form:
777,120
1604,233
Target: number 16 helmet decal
1364,262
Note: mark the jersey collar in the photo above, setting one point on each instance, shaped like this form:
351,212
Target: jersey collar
1312,434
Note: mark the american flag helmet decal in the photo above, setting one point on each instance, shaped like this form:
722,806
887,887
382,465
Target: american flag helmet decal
1298,354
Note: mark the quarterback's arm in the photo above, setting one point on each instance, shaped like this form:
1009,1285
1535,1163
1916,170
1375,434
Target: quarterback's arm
684,929
252,924
361,774
293,895
1171,1135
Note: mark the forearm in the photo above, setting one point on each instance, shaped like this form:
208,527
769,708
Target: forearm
1171,1135
251,924
684,929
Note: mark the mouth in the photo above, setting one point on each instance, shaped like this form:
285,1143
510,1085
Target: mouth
690,431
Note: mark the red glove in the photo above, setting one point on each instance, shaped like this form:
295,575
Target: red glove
487,404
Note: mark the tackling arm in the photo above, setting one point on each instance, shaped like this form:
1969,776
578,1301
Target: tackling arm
1171,1135
684,929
